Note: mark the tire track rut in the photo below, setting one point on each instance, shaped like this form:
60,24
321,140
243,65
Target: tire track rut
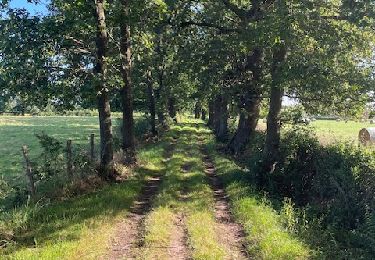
129,235
231,234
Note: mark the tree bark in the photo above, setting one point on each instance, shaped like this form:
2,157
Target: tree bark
211,114
160,109
221,118
152,104
248,121
204,114
172,108
128,142
104,108
249,104
197,110
271,151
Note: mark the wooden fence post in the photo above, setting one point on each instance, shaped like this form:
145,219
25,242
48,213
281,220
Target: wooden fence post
69,157
92,147
29,171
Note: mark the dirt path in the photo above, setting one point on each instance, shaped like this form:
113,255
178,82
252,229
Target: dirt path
178,249
128,240
230,233
129,233
129,236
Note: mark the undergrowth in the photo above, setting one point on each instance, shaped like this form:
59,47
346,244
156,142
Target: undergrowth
324,195
270,233
77,227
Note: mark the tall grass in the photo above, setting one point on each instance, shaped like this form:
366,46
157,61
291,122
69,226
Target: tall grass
267,236
79,227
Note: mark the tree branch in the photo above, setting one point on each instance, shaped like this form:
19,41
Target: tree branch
235,9
223,30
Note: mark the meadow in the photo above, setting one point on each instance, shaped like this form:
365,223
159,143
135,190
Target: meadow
331,131
18,131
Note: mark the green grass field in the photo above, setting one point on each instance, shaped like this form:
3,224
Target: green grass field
18,131
330,131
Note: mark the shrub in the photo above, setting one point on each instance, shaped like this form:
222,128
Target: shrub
293,115
336,186
51,161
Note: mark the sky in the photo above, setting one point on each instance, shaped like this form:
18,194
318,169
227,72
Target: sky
34,9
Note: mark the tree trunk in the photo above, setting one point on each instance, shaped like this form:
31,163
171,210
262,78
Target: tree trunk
250,103
197,110
152,106
160,110
104,109
128,144
211,114
204,114
221,118
271,152
248,121
172,108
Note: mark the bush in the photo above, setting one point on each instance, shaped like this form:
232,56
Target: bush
50,174
336,186
52,158
34,111
4,188
294,115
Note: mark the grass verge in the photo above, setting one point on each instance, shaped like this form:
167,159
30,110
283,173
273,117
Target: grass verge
267,236
80,228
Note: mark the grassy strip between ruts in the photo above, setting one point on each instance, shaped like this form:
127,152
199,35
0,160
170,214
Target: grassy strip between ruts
266,235
184,191
81,228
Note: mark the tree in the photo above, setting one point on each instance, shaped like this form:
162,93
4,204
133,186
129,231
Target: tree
104,108
326,41
25,50
127,91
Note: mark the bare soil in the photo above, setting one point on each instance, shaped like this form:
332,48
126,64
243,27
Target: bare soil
231,234
178,248
129,233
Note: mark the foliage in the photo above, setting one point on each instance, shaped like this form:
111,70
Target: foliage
51,158
335,184
272,235
78,224
293,115
318,52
